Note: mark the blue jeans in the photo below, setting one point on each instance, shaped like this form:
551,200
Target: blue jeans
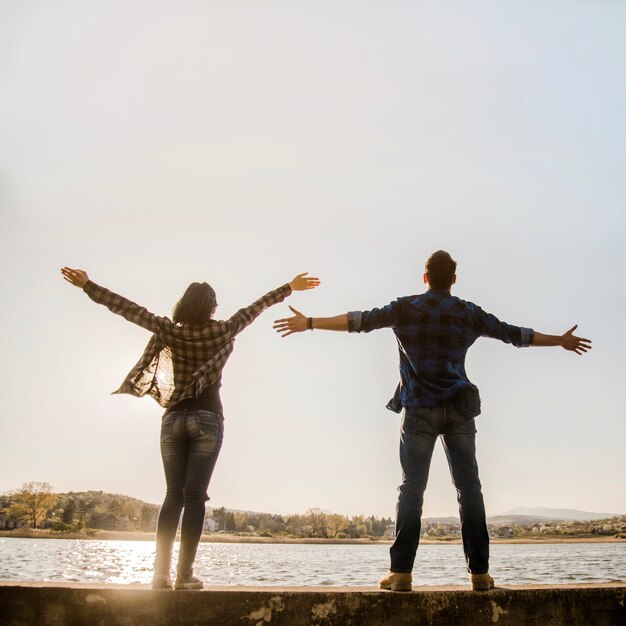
190,445
420,428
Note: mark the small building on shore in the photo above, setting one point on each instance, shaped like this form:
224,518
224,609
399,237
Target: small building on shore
6,523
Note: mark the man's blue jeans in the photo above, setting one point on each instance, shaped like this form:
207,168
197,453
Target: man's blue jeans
190,444
420,428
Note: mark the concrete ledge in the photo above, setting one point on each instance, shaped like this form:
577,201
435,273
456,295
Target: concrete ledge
41,604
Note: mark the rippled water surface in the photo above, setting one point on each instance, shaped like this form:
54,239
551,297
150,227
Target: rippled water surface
92,561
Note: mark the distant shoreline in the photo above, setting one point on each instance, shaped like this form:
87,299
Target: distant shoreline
110,535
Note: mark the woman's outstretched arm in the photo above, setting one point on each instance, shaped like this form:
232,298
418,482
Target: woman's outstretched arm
247,315
118,304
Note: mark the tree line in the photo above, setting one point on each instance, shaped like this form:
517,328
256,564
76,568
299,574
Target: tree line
315,523
38,506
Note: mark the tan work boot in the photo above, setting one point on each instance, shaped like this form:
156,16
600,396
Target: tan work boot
481,582
396,581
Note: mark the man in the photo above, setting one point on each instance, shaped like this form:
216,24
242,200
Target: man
434,331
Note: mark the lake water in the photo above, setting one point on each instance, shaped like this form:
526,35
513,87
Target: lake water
92,561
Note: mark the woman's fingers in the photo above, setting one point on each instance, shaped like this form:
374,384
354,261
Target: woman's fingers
74,276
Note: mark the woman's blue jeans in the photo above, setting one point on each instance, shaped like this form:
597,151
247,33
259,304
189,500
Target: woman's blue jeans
190,445
420,428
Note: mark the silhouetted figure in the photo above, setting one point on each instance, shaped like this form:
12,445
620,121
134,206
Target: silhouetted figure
434,331
181,368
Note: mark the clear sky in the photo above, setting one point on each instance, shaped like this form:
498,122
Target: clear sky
157,143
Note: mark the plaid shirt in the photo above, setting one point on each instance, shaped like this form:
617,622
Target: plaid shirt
434,331
180,361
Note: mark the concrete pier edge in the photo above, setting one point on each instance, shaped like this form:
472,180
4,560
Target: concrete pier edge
55,604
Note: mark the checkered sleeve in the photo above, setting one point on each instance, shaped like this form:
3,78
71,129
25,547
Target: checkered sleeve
490,326
366,321
244,317
128,310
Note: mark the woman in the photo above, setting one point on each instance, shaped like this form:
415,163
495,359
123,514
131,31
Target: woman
181,368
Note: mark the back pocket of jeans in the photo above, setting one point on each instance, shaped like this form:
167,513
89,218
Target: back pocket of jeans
209,426
417,421
166,427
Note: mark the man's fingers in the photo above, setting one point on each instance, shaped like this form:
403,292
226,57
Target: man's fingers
572,329
295,311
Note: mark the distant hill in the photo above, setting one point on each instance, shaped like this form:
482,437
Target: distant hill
543,513
524,516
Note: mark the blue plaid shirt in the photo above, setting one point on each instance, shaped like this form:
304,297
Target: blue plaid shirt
434,331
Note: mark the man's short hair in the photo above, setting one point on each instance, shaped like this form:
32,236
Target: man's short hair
440,270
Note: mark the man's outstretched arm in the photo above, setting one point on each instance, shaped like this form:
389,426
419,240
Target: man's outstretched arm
352,322
300,322
567,340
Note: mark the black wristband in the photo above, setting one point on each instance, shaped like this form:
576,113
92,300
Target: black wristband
309,323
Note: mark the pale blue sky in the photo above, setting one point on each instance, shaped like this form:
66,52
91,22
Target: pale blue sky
157,143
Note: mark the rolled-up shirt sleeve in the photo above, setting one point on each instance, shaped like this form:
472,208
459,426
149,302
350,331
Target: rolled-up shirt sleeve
366,321
489,325
354,321
528,334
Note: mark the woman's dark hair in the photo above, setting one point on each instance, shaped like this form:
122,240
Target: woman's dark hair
196,305
440,270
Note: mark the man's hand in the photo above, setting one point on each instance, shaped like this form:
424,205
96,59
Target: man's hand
571,342
76,277
302,282
290,325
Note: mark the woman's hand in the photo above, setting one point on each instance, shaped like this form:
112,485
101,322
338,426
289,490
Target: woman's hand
290,325
302,282
78,278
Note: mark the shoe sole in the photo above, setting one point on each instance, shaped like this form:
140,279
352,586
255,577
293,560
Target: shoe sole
189,587
397,587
